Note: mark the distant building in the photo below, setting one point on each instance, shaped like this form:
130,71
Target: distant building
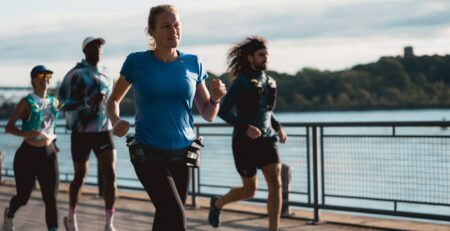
408,52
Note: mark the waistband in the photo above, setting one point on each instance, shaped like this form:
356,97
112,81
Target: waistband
162,154
32,150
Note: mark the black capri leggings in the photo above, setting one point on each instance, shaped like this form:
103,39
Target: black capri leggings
31,162
166,182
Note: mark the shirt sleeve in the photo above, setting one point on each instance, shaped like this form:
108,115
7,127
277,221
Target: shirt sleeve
228,103
70,93
127,69
63,89
275,123
202,74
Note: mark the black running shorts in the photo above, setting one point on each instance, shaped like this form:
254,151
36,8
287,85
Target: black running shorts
83,142
250,154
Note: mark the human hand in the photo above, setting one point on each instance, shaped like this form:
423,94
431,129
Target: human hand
253,132
217,90
282,135
121,127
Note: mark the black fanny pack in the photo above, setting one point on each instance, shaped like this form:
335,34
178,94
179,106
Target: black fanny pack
140,152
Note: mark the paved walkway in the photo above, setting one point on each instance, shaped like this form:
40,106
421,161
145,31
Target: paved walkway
137,214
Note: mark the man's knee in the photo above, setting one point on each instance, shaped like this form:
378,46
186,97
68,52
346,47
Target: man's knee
273,176
78,179
250,190
109,175
274,182
109,184
109,172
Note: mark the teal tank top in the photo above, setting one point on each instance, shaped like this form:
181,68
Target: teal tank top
43,115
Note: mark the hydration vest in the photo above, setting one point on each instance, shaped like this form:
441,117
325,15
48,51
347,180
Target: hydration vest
272,94
257,90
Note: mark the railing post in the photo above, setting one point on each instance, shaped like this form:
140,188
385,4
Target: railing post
2,156
315,175
193,183
322,169
286,176
308,161
193,190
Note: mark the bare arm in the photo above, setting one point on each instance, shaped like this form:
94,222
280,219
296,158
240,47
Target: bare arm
112,106
208,105
22,110
277,126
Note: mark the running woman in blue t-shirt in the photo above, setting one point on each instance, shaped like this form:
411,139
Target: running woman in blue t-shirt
166,84
37,155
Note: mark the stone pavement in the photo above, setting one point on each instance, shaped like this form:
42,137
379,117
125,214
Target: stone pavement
137,214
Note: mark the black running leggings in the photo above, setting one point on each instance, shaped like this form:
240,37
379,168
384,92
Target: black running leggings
31,162
167,185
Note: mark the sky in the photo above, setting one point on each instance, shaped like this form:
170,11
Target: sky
322,34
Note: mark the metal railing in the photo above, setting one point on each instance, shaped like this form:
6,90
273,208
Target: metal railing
401,171
384,168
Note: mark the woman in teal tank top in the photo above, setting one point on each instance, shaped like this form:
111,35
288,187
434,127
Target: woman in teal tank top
37,156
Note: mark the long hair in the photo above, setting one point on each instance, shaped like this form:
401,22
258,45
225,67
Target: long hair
237,60
151,22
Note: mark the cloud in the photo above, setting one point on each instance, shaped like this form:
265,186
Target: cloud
386,17
51,31
228,23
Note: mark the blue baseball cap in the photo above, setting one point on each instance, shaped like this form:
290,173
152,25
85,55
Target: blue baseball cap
39,69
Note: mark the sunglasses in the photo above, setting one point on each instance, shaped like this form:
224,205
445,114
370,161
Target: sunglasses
46,76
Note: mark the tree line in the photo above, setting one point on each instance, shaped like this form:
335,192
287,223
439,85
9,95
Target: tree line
390,83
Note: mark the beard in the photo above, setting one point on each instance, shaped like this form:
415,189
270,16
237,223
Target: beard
96,59
261,66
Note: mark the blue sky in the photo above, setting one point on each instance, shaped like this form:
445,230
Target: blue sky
324,34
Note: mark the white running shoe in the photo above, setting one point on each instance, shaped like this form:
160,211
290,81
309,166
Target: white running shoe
71,224
110,227
7,222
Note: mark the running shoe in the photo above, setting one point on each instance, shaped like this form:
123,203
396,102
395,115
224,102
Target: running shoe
71,223
8,224
214,213
110,227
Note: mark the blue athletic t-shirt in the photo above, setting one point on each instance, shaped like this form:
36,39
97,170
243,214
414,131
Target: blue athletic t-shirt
163,95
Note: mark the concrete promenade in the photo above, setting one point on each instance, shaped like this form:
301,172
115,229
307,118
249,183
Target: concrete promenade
135,212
